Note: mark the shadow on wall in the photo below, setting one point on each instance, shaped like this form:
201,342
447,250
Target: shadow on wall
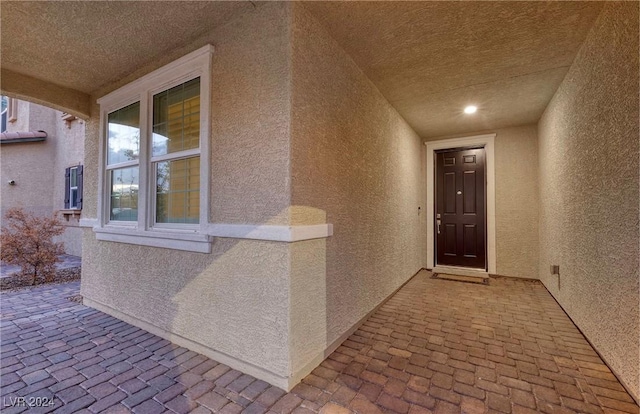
256,305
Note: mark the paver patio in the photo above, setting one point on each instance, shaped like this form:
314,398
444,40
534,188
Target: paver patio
435,346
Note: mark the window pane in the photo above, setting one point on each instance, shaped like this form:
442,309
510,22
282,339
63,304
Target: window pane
73,199
176,118
124,194
178,191
124,134
73,179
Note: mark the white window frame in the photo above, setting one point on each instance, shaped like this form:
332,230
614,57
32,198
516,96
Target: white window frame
144,231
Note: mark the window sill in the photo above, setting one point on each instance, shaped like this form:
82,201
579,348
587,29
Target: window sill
70,216
176,240
200,241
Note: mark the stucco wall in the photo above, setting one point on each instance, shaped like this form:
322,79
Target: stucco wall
355,160
516,183
234,302
589,191
249,140
32,191
277,306
38,168
30,164
69,153
307,306
516,156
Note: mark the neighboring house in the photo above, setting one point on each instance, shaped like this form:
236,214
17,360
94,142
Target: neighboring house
41,159
257,182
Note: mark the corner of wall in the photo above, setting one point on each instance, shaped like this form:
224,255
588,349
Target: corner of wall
589,175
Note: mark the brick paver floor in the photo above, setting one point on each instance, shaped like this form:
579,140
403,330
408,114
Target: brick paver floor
436,346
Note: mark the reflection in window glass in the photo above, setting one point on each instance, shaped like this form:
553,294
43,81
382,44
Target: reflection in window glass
124,194
178,191
176,118
124,134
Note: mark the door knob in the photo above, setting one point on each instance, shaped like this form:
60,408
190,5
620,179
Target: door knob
438,224
459,192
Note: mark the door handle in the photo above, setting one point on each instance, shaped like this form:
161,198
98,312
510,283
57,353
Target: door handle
438,224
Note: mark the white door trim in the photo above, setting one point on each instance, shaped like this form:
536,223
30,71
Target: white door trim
487,141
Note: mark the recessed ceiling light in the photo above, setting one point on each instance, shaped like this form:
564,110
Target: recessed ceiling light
471,109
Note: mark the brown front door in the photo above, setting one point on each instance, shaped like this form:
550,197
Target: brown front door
460,208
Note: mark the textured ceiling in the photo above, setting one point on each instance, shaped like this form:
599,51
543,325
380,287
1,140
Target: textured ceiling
86,44
430,59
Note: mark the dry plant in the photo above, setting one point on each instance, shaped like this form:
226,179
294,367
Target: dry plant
26,240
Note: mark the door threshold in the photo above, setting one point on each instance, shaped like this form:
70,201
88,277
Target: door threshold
461,271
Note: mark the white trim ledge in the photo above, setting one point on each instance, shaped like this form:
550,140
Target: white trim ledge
200,241
191,242
288,234
88,222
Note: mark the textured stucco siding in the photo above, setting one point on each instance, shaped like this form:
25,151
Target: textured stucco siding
516,161
589,191
39,167
249,140
31,164
355,160
69,153
32,191
308,305
516,184
234,301
21,86
250,114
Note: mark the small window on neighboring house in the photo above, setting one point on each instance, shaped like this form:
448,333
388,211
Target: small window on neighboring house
5,113
73,188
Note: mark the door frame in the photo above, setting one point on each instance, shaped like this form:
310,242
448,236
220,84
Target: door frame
486,141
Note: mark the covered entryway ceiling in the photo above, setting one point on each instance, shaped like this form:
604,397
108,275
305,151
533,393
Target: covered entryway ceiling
87,44
429,59
59,53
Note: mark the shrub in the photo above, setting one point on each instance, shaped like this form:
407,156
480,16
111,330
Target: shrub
27,241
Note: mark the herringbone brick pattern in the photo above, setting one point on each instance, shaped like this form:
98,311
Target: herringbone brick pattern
435,346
